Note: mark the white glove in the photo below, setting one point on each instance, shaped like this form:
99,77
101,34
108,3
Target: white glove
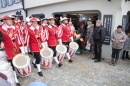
78,36
22,50
44,44
26,49
71,38
59,41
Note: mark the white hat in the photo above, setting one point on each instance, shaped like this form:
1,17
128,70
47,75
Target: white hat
34,19
62,19
51,18
44,19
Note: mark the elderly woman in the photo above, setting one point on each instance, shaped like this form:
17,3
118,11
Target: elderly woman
126,47
89,37
80,37
118,38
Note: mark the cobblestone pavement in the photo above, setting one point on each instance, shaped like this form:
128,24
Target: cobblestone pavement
83,72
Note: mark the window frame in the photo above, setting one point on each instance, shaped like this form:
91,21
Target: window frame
3,5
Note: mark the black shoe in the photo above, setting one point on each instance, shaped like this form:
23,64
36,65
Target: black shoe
18,84
70,61
59,64
34,65
94,58
40,74
97,61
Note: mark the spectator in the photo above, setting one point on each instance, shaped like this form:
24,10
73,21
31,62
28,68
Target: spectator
126,47
98,36
3,80
118,38
80,37
89,37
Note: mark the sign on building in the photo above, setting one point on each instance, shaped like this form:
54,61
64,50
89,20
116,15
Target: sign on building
107,23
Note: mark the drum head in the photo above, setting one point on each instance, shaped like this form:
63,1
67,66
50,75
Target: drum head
20,61
74,45
61,49
46,52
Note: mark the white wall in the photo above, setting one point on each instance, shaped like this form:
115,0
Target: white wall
35,3
105,7
125,7
11,8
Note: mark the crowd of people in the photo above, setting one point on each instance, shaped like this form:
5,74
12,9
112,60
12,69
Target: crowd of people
17,37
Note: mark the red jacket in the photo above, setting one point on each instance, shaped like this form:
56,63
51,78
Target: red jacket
11,47
52,35
35,43
65,32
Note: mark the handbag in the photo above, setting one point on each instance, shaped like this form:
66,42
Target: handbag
88,46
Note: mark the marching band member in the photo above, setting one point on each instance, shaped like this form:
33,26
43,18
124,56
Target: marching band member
44,25
35,42
24,34
44,22
65,34
11,39
52,38
28,25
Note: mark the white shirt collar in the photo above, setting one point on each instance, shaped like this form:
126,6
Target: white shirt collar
63,24
4,26
44,24
32,28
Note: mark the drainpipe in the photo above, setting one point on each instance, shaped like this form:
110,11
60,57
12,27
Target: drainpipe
26,13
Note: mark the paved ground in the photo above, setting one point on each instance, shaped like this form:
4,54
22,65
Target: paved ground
83,72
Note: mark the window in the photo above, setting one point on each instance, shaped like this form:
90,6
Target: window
10,2
17,1
3,3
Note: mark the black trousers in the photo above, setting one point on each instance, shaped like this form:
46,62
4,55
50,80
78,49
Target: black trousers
115,53
11,64
37,56
80,44
98,50
54,50
67,45
127,54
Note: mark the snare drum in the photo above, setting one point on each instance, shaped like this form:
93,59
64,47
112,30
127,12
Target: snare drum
61,50
47,55
22,64
73,46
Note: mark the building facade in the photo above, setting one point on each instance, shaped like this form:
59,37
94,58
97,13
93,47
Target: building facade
111,12
12,7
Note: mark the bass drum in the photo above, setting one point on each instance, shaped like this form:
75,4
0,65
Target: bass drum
73,46
61,50
47,57
22,64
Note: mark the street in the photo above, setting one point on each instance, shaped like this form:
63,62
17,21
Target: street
82,72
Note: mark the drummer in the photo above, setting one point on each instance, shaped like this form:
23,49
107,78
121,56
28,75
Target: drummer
34,32
10,40
65,34
52,37
44,24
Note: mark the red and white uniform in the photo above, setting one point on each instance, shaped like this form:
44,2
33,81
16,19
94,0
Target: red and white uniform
52,35
12,40
35,38
65,32
45,32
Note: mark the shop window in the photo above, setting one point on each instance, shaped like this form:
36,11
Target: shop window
4,3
